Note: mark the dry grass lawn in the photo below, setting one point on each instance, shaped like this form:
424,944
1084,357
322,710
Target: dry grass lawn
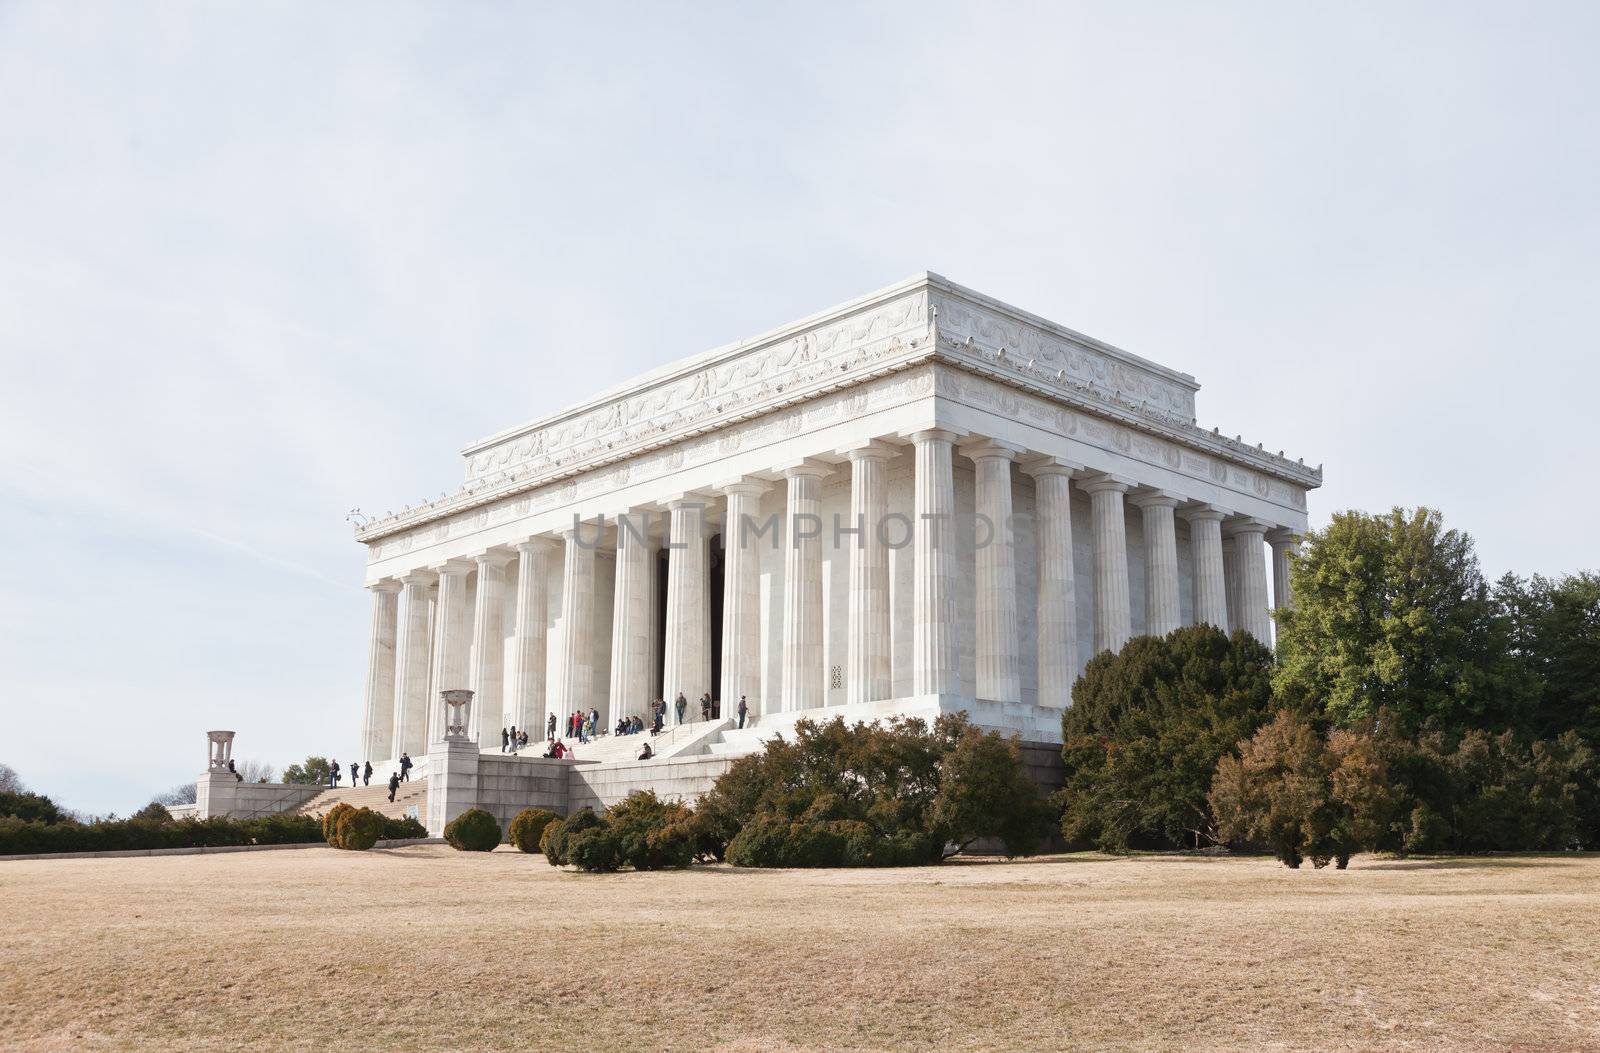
429,949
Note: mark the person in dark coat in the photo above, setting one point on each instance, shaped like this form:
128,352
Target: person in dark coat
355,773
366,774
505,740
744,707
681,704
334,771
550,727
394,784
405,766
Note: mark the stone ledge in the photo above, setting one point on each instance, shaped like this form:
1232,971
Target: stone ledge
207,850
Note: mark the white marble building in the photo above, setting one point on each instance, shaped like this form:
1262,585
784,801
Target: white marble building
922,399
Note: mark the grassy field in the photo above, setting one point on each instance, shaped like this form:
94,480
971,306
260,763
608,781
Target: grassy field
425,948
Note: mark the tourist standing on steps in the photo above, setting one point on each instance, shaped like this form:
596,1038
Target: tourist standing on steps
550,727
333,773
366,774
594,722
405,766
705,706
505,739
681,704
355,773
394,784
744,707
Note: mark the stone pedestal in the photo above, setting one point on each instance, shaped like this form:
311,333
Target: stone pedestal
215,793
452,781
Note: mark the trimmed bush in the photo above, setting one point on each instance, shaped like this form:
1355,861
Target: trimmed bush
358,829
556,836
474,830
527,828
330,822
19,836
595,849
402,829
651,834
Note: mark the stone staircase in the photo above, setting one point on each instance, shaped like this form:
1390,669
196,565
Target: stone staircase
413,794
674,739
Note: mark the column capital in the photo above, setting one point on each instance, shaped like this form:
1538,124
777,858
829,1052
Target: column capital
807,467
1282,536
871,450
1203,512
1038,465
1104,482
933,435
1247,525
385,585
419,576
981,447
686,499
457,565
536,544
743,487
1154,499
493,557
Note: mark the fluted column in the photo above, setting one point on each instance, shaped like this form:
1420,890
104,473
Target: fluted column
576,672
530,644
803,679
1250,554
999,658
631,692
454,633
933,654
1057,612
1210,584
741,599
377,728
1230,580
1113,619
1285,546
686,668
867,673
1162,611
411,675
488,648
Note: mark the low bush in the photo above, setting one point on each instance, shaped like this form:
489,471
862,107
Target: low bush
474,830
19,836
31,807
651,834
330,822
527,828
402,829
358,830
596,849
556,836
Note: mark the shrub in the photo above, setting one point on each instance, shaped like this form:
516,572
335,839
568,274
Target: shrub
155,811
651,834
528,826
19,836
30,806
595,849
358,829
553,843
330,822
402,829
474,830
984,791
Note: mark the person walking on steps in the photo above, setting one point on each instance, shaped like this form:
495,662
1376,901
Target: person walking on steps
333,773
681,704
394,784
744,707
705,706
505,739
550,727
355,773
366,774
405,766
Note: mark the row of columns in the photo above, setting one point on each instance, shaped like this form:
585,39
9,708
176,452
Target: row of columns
399,685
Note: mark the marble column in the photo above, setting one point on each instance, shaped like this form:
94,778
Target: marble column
1057,611
529,645
934,669
1285,546
576,671
411,675
1230,580
998,651
803,676
1210,583
741,599
488,649
686,668
1113,618
1250,552
631,691
377,730
1162,612
867,671
454,634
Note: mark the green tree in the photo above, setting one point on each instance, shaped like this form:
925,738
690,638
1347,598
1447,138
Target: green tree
1555,650
985,792
1391,611
1145,730
312,772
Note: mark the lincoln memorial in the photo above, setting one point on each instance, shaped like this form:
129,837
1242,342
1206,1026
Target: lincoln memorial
918,502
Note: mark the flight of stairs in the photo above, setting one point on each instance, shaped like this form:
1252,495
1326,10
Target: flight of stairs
413,794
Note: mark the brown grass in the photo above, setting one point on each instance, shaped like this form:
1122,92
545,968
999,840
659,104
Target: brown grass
427,948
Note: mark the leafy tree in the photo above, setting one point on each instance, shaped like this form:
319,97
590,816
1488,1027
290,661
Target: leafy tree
1555,650
313,771
984,791
1301,796
1145,730
1393,612
31,807
155,812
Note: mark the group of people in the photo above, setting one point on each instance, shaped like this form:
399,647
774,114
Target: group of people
512,740
336,771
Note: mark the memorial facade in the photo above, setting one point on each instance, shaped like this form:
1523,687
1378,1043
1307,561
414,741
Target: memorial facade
921,501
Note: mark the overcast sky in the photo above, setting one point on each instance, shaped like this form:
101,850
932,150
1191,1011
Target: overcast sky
262,263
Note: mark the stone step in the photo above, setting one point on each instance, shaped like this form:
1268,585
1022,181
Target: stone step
413,794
